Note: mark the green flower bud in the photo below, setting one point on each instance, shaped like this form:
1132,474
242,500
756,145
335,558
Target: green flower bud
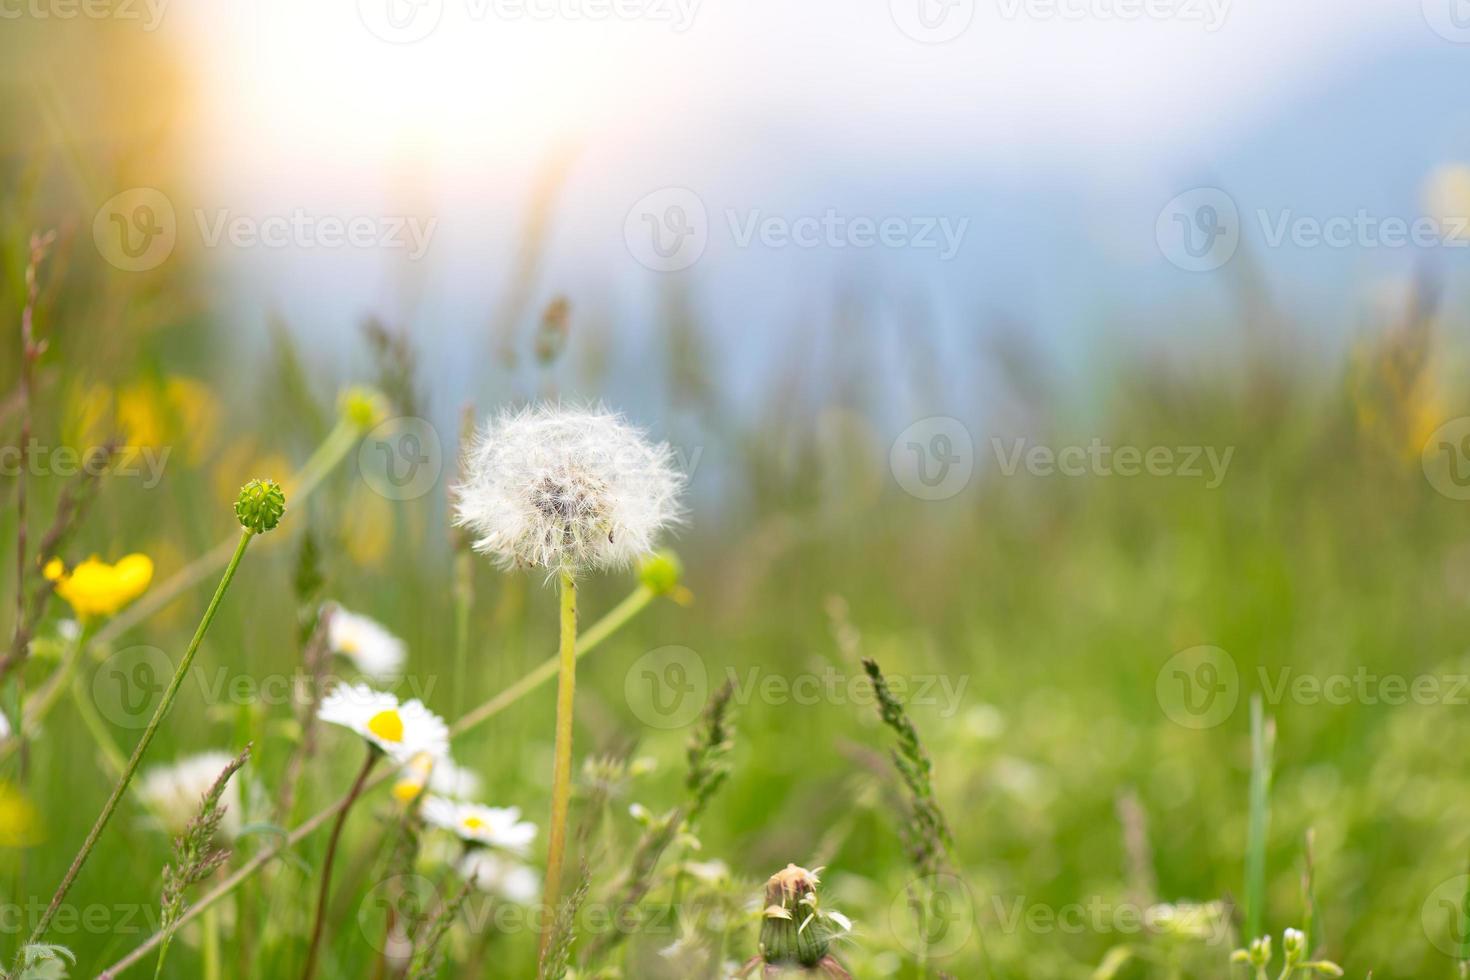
260,505
1260,951
661,572
1294,945
363,406
793,929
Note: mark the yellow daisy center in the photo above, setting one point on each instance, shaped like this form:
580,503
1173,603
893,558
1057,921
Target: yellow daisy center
473,823
406,790
387,725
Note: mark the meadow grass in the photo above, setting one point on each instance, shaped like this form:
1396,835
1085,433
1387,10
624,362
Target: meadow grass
1023,624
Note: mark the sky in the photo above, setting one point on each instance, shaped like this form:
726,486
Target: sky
1025,159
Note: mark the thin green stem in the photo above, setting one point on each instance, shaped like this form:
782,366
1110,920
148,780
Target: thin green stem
1263,733
561,773
333,449
590,639
464,598
98,730
118,790
211,945
50,692
326,887
163,948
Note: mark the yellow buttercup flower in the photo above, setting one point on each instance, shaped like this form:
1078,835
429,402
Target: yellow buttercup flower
20,823
95,589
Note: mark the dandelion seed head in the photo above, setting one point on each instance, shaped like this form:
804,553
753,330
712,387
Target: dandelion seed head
566,489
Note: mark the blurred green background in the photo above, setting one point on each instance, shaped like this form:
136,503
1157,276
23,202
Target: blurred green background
1050,604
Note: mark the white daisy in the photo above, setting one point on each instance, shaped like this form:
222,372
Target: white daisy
440,775
174,792
400,730
4,726
498,875
564,489
367,643
500,827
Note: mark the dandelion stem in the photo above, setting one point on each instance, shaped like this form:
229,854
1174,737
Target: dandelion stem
142,747
590,639
561,773
326,887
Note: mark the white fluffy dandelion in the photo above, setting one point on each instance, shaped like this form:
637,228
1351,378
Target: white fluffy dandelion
500,827
400,730
174,792
373,650
566,489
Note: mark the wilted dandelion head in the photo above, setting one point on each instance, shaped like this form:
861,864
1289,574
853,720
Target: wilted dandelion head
566,489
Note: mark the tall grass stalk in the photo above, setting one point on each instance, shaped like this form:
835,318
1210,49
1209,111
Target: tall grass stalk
142,747
1263,740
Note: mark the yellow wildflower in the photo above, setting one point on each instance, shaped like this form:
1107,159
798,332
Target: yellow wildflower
95,589
20,824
